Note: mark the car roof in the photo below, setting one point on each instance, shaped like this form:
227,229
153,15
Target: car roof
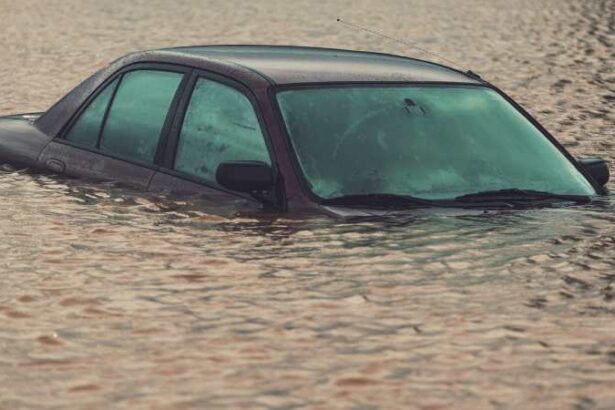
260,66
294,64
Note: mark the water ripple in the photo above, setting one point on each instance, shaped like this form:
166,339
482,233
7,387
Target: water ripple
111,297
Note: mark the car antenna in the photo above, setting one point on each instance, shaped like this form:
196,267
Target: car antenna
408,44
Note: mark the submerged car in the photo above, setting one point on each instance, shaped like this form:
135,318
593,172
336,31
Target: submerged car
301,129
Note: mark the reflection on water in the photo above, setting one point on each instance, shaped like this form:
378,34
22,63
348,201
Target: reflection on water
116,298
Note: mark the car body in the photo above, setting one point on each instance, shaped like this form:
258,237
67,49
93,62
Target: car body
141,121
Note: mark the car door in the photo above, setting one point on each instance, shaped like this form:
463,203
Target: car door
217,121
117,133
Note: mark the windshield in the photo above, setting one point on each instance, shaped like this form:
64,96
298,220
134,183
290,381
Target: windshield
433,142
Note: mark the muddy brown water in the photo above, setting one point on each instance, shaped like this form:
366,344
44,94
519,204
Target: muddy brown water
111,298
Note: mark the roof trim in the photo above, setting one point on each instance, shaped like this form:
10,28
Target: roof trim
184,50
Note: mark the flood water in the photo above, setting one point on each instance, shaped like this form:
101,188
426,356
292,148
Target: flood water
111,298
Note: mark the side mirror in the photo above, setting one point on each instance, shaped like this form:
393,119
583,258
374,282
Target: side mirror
597,168
250,177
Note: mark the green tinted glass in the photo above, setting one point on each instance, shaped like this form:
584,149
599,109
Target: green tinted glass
220,125
138,113
434,142
85,131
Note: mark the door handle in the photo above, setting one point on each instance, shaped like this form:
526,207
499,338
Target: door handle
55,165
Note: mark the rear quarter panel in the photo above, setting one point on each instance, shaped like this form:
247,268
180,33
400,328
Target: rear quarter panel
21,142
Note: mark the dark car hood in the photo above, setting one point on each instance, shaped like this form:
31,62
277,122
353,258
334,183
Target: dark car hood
352,212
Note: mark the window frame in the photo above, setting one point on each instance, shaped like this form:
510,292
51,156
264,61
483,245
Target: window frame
168,162
118,75
91,99
301,177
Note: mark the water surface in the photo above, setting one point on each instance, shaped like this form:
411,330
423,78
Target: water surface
118,298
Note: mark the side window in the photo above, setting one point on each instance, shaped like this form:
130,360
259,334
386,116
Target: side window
87,128
220,125
138,113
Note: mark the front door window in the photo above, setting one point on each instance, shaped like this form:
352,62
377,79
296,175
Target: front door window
220,125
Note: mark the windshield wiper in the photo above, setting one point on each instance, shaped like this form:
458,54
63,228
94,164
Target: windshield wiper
516,194
503,197
386,201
